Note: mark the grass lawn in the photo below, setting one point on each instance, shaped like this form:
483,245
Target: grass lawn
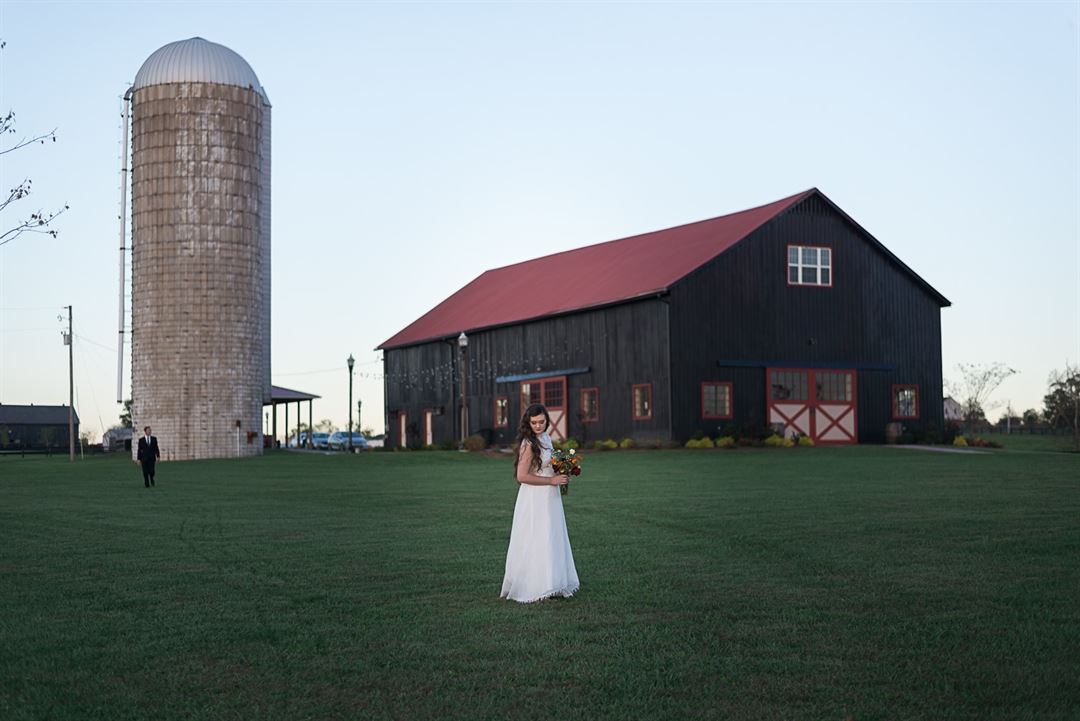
821,583
1026,442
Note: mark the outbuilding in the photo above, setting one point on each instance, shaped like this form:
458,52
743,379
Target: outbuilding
789,315
34,427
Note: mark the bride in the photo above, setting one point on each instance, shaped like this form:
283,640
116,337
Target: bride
539,562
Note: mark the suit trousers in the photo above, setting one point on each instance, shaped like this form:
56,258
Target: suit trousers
148,473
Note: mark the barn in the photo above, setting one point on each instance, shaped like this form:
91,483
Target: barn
789,315
34,427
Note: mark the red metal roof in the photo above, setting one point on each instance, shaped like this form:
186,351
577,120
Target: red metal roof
595,275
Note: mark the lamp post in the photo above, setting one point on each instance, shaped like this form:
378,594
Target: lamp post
350,361
463,346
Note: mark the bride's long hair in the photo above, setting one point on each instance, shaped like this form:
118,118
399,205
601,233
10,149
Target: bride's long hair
525,433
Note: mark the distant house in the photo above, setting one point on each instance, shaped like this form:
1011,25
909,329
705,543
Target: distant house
34,427
116,439
789,315
953,410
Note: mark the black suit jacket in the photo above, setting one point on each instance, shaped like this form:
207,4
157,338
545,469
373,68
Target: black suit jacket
148,452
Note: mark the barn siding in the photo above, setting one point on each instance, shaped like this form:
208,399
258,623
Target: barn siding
622,345
739,307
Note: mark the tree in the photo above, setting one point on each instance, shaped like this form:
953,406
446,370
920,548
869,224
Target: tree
325,425
125,415
1063,400
39,221
977,384
1009,419
1030,417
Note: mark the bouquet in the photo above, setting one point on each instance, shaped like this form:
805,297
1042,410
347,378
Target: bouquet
566,463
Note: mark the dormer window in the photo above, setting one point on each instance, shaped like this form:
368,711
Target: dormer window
809,265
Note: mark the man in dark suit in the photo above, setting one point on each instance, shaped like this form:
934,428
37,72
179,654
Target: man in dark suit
148,455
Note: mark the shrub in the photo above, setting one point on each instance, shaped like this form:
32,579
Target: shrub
906,438
475,442
933,435
725,442
700,443
697,436
592,445
959,441
627,443
774,441
788,443
952,431
806,441
431,447
607,445
568,444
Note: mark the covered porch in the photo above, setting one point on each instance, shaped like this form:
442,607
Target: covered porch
285,397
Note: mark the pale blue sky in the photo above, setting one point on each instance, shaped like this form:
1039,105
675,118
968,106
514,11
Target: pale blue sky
416,145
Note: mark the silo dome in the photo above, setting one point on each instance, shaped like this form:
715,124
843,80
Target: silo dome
196,60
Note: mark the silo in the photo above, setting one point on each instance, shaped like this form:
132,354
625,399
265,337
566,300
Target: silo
200,264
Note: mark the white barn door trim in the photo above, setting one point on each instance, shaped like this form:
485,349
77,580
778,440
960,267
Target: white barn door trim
820,404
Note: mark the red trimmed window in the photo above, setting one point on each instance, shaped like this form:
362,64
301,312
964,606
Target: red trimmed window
590,405
642,397
530,393
905,401
502,412
809,265
715,400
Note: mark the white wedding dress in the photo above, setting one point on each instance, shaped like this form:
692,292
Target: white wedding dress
539,562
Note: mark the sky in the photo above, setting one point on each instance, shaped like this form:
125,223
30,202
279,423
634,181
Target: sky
416,145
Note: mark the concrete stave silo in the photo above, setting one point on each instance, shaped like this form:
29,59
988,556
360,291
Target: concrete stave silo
200,321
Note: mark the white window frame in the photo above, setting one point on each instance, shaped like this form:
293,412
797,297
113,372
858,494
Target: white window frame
802,261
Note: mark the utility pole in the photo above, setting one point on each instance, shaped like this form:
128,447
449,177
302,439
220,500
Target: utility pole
71,390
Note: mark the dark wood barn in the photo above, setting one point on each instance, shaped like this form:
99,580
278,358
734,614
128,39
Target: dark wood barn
34,427
790,314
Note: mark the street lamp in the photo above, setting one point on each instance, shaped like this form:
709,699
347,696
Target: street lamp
350,361
463,345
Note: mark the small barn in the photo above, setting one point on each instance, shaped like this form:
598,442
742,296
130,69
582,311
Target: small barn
789,315
34,427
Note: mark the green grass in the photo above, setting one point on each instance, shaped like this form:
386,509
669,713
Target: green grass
1025,442
823,583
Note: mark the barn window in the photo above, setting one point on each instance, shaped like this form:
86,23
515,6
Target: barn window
715,400
809,265
530,393
502,412
905,402
642,402
590,405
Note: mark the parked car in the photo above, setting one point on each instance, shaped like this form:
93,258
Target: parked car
318,440
339,441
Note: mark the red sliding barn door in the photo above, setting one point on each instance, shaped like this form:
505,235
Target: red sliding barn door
552,393
815,403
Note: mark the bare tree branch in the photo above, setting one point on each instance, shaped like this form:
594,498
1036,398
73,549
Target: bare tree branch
7,127
40,221
977,384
